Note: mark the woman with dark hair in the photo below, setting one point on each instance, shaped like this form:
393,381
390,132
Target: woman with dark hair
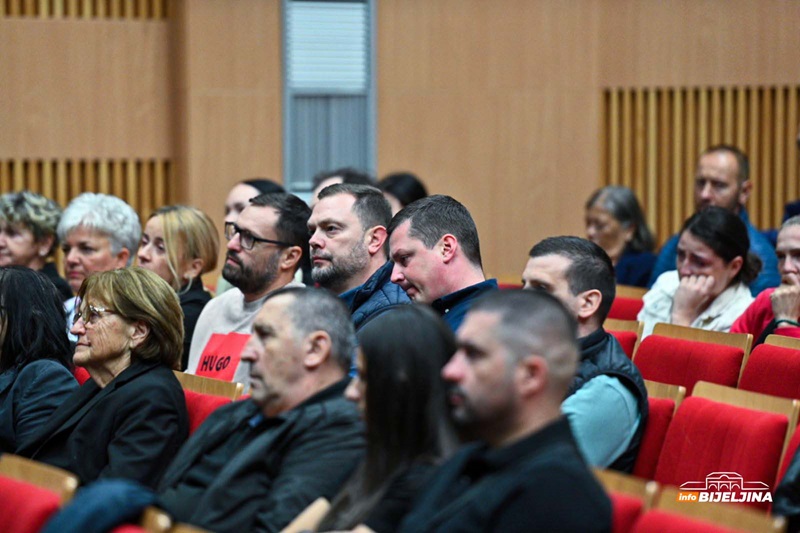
709,288
402,188
130,418
35,354
400,394
615,222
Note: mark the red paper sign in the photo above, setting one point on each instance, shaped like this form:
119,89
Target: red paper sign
221,356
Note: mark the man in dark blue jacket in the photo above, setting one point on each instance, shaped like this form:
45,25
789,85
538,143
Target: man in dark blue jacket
348,249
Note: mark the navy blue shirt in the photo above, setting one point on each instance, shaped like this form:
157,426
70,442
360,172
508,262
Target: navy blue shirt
455,305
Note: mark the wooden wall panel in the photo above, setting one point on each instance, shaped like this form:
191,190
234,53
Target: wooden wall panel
83,89
497,106
698,118
501,104
227,89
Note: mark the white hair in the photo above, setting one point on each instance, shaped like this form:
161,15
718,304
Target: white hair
106,214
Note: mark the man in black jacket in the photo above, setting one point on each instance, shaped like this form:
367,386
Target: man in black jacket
607,401
348,249
516,356
254,465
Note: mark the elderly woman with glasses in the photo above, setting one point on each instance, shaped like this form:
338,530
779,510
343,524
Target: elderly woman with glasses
129,419
28,238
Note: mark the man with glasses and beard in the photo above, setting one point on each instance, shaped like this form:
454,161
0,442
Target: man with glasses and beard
266,246
348,236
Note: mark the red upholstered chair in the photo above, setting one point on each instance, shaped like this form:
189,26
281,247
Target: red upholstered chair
772,370
81,374
25,508
625,510
788,455
658,420
200,405
625,308
685,362
706,436
658,521
627,333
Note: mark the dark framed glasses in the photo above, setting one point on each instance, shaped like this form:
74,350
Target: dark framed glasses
247,239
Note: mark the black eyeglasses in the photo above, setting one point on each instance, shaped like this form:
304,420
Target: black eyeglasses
247,239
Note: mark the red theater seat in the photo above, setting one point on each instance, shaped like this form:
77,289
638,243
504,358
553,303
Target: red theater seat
25,508
707,436
81,374
658,420
685,362
657,521
200,405
772,370
625,510
625,308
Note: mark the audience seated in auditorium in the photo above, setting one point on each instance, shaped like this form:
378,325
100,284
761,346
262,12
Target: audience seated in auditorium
35,354
405,439
347,231
129,419
98,232
606,402
401,189
28,237
180,243
437,256
327,178
266,246
778,310
516,359
709,288
239,198
723,180
253,465
615,222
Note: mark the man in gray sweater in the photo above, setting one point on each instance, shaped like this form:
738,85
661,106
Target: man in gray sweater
266,246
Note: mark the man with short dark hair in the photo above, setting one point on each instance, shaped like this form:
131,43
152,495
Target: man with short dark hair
437,256
266,246
606,403
254,465
348,249
516,358
722,179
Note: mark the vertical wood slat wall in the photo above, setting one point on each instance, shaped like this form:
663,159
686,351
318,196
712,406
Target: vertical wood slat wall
141,183
653,136
115,9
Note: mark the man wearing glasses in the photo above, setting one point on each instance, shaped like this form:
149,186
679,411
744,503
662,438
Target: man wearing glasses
266,246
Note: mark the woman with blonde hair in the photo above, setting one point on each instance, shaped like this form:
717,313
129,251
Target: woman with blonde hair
130,418
180,244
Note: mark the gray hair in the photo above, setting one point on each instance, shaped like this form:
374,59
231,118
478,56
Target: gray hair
105,214
37,213
792,221
315,309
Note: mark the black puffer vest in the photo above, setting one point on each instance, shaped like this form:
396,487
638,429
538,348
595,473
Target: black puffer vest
602,354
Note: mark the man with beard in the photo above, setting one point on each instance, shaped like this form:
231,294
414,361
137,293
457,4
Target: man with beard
266,246
516,356
722,179
348,249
